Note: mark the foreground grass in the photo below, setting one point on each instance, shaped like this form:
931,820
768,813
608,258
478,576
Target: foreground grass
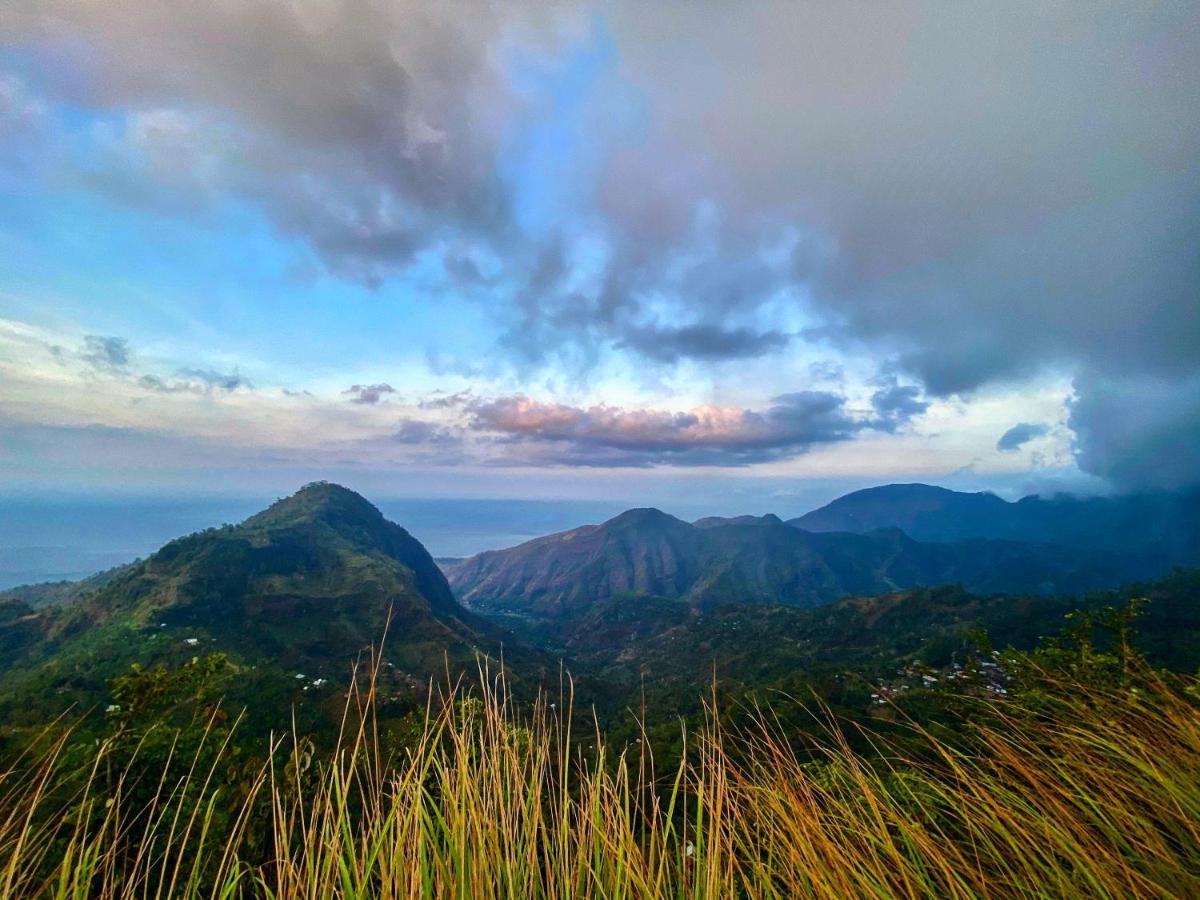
1095,793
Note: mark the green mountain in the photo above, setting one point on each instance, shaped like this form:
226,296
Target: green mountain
292,596
1163,529
645,552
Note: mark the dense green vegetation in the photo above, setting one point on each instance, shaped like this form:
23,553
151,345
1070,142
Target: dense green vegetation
291,598
1080,781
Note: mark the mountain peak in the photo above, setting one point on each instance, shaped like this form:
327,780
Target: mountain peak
352,522
923,511
318,501
643,517
718,521
911,491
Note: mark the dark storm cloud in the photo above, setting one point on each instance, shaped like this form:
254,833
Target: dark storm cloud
556,433
979,191
978,200
106,354
368,394
958,194
1019,435
1140,432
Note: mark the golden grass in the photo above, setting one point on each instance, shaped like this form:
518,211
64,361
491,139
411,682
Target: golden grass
1097,794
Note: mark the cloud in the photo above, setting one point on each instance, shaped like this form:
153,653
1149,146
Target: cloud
896,403
368,394
195,381
939,186
441,400
705,436
958,190
218,380
1019,435
701,342
463,270
20,113
106,354
162,386
417,431
366,130
1138,432
22,128
964,199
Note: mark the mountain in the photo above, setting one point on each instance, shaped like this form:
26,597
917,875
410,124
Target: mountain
645,552
922,511
296,592
1163,528
641,551
61,593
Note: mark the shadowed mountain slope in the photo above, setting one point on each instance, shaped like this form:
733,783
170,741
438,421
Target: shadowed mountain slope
1162,528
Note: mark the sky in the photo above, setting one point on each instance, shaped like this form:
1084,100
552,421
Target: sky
742,256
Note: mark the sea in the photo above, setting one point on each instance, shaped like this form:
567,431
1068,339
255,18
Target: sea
66,539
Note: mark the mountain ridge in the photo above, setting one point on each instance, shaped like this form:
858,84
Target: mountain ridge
1164,526
757,560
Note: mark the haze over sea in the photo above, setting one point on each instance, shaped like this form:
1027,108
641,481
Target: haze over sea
70,538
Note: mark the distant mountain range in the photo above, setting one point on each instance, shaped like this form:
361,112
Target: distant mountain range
872,541
749,560
1164,528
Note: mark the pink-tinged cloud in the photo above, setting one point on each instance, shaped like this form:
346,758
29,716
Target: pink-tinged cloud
705,436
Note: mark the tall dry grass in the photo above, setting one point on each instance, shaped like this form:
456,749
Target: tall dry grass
1096,794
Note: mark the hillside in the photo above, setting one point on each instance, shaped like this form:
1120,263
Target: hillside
292,596
646,552
664,651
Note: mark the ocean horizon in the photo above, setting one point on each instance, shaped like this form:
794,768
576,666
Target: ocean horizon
65,539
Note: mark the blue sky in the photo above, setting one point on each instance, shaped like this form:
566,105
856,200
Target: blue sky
597,252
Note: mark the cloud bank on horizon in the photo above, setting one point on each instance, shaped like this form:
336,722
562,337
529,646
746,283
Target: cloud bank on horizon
802,240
